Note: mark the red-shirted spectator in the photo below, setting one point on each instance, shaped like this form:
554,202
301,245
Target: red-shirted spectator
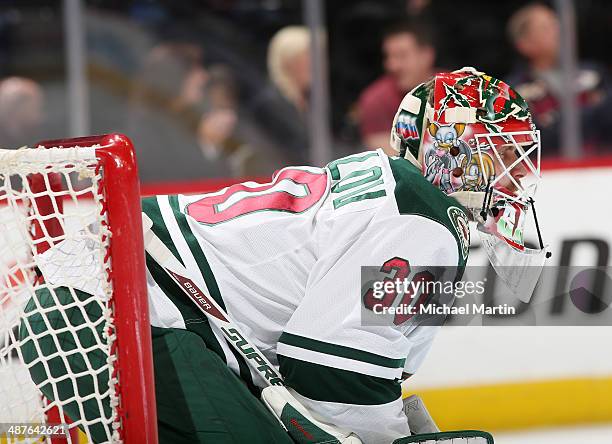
534,31
408,60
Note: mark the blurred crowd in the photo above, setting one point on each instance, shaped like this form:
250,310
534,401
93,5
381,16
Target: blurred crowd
219,101
409,52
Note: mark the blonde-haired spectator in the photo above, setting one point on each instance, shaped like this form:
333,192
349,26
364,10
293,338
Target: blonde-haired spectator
289,64
280,110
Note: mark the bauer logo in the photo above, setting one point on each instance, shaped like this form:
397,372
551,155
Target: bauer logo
197,295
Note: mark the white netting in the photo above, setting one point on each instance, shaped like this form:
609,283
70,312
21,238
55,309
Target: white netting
57,337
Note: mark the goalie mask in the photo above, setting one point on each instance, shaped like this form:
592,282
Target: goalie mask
472,136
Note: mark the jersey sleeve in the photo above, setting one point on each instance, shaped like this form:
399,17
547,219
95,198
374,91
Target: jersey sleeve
347,373
421,339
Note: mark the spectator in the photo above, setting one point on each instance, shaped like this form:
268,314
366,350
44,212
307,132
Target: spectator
21,112
409,58
218,130
167,106
280,110
289,64
534,31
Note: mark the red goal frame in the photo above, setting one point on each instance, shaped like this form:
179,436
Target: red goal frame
121,188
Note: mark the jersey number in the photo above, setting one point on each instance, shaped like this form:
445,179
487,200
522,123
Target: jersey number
358,184
292,191
401,269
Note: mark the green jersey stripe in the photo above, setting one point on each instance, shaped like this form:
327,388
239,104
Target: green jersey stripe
196,251
194,320
341,351
209,279
322,383
151,208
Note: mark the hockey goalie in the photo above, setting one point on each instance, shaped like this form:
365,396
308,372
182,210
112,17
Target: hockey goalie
255,290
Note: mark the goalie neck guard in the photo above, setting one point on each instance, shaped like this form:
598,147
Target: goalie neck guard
472,136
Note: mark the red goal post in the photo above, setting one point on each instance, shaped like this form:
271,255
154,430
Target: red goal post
115,192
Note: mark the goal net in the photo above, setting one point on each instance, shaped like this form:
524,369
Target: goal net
74,331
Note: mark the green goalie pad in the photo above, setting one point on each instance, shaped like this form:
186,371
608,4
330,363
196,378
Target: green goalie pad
456,437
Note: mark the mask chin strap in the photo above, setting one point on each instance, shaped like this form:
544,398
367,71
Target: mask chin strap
535,218
486,202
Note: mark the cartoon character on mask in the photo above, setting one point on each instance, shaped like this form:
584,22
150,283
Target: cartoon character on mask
477,172
446,155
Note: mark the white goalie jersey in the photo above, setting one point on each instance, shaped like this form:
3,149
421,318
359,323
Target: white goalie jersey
284,259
